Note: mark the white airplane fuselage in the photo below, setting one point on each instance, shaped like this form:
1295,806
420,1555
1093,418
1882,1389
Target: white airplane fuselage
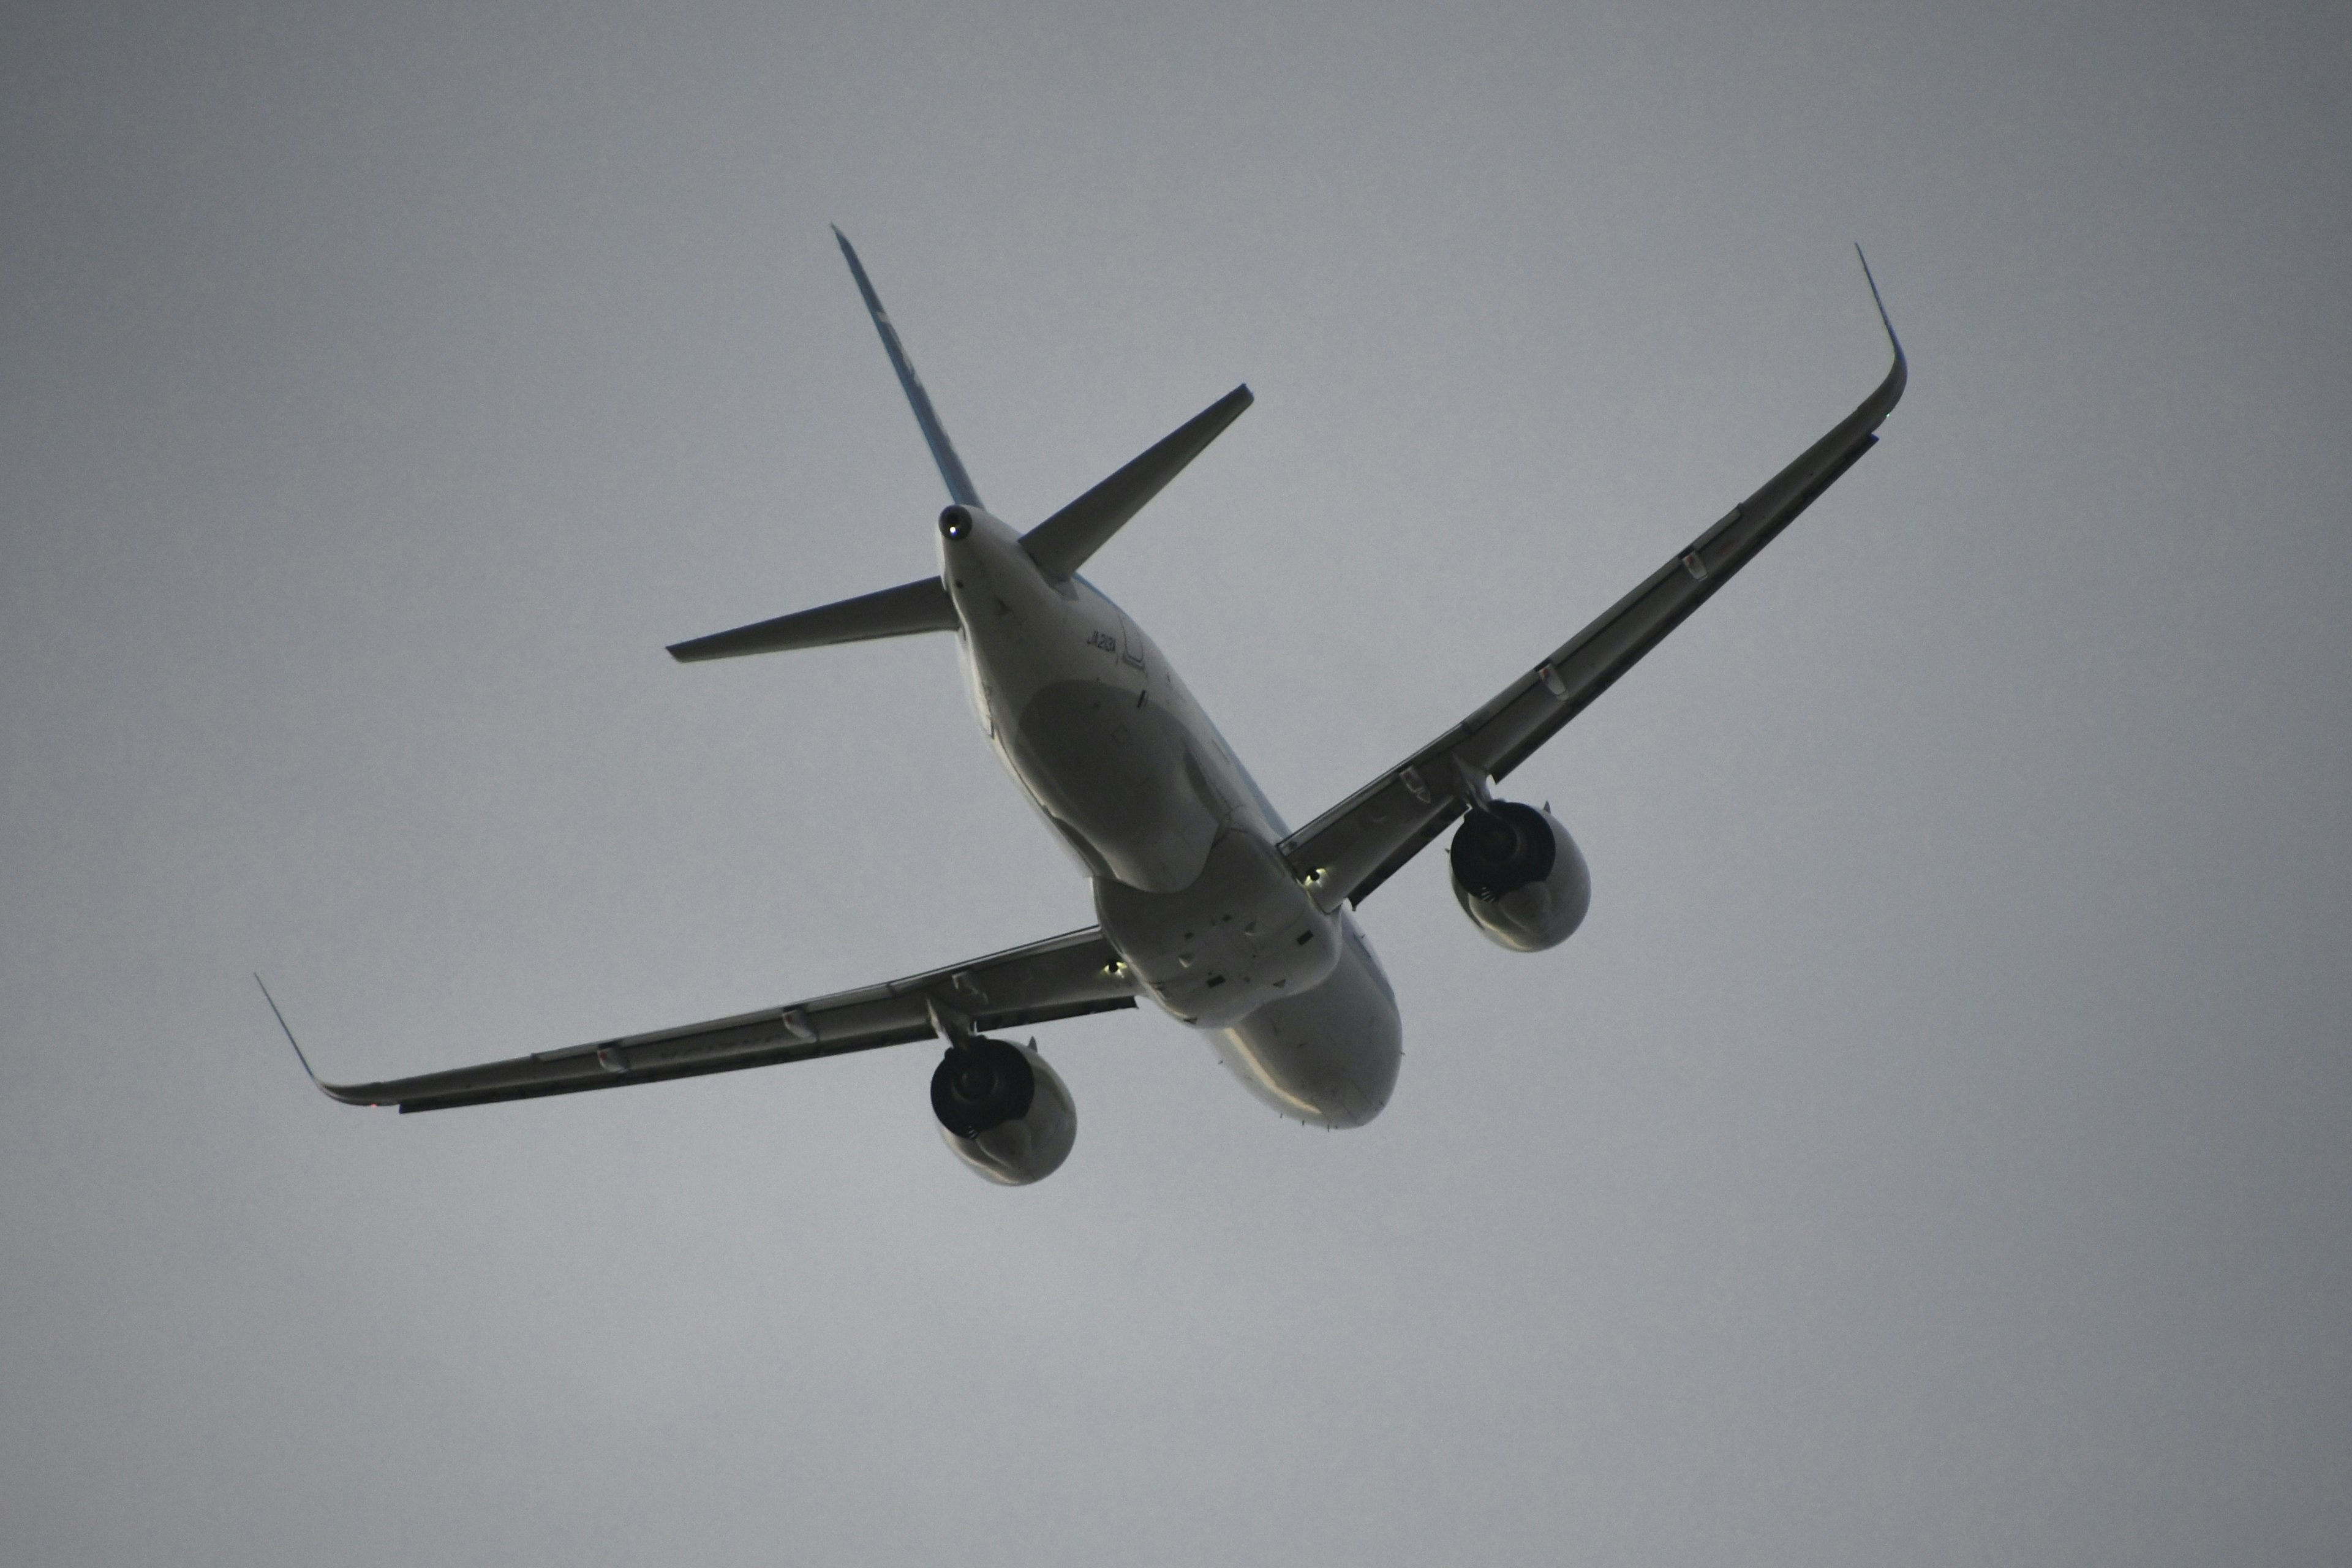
1178,841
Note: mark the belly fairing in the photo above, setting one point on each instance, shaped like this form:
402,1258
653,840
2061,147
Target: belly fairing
1242,934
1329,1056
1290,997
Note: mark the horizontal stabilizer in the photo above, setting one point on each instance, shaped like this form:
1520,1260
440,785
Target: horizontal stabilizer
1061,543
922,605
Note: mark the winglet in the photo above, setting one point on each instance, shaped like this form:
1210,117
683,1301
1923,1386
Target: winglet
943,453
288,1033
1902,366
331,1092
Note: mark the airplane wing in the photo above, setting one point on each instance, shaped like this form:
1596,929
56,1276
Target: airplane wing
1351,849
1060,977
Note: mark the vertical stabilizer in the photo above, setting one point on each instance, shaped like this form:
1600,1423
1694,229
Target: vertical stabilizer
943,452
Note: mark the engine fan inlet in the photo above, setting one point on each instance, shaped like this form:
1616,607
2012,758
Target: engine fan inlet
1502,847
982,1084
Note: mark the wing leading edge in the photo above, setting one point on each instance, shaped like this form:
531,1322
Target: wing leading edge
1061,977
1356,845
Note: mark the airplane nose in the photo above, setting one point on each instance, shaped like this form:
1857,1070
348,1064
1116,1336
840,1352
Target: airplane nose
955,522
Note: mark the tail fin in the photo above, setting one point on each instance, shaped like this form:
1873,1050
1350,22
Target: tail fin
959,485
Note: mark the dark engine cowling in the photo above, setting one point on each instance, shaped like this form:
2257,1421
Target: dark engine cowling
1519,875
1004,1112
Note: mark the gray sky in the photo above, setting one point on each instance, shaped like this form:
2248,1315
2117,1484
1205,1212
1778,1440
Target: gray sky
1932,1148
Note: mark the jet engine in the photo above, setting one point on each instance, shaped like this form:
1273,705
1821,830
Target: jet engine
1517,874
1004,1112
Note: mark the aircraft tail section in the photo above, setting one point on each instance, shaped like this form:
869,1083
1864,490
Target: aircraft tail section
960,486
922,605
1061,543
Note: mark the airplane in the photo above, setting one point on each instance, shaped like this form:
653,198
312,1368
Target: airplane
1207,904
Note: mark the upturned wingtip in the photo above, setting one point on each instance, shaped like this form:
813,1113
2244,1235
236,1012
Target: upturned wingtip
284,1029
1884,319
287,1030
339,1094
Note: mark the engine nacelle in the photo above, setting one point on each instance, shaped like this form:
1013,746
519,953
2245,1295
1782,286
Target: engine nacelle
1004,1112
1517,874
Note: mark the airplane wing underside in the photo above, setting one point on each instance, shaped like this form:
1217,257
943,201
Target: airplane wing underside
1359,844
1061,977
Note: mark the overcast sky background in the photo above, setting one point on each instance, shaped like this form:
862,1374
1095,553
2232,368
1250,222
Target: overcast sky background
1933,1149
